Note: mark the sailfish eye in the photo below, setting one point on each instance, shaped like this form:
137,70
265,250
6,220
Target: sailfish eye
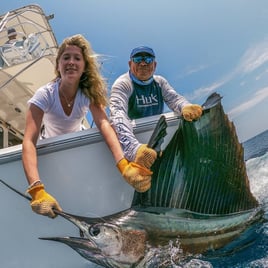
94,230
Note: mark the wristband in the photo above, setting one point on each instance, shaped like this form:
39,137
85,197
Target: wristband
37,182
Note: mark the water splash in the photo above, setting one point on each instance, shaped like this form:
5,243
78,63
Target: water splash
257,170
172,256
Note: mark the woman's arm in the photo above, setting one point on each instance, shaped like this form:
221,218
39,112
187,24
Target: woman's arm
34,118
42,202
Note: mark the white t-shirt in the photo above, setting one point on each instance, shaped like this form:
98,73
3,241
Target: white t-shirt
55,121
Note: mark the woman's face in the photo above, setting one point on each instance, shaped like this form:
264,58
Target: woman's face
71,64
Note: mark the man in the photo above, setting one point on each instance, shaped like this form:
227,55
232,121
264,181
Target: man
139,93
12,36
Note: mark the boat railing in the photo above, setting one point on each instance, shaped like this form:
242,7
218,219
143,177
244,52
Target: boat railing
33,39
3,21
13,54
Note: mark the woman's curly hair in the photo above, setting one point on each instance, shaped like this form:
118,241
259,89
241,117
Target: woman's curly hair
91,82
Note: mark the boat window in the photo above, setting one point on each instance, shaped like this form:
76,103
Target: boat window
13,139
1,138
8,138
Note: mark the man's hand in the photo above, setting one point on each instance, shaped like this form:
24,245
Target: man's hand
42,202
192,112
137,176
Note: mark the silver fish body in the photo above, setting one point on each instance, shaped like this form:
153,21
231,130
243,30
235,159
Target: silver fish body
122,239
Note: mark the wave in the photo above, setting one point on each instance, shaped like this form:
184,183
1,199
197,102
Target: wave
256,146
257,170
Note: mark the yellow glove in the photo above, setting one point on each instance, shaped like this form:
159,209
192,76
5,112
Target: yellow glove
145,156
42,202
192,112
137,176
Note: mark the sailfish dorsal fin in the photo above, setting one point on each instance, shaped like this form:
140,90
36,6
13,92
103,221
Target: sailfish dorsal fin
202,169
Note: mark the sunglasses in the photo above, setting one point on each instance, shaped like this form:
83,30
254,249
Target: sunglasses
146,59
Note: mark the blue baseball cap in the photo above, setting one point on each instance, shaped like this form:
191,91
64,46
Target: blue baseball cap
142,49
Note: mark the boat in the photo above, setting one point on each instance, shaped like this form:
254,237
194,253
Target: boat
77,168
26,63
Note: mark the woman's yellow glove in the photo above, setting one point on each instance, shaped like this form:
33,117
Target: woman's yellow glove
192,112
145,156
137,176
42,202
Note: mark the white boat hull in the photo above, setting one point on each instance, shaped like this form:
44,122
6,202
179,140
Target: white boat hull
79,170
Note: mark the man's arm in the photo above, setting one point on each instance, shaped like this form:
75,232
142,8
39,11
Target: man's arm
120,93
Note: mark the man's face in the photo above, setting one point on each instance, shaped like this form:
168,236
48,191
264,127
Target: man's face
144,66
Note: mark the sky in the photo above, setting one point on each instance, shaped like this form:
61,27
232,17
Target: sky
201,46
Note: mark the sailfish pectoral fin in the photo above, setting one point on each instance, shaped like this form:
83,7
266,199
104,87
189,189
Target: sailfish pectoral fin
158,135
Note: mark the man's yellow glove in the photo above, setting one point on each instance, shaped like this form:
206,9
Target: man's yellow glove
145,156
192,112
137,176
42,202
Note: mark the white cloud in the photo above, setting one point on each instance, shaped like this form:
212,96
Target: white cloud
192,70
259,76
204,91
258,97
254,57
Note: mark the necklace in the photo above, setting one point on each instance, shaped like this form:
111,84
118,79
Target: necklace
69,103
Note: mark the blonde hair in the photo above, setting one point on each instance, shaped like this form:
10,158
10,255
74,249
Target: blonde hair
91,82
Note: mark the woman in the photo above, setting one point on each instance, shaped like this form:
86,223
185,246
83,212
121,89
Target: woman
60,106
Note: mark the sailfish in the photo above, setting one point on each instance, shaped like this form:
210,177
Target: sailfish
200,196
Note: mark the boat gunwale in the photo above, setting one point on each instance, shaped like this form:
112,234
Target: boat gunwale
81,138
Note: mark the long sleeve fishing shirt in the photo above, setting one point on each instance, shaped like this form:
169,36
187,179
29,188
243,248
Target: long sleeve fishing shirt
130,100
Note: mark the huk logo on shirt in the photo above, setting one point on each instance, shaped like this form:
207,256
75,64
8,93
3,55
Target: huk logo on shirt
143,100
